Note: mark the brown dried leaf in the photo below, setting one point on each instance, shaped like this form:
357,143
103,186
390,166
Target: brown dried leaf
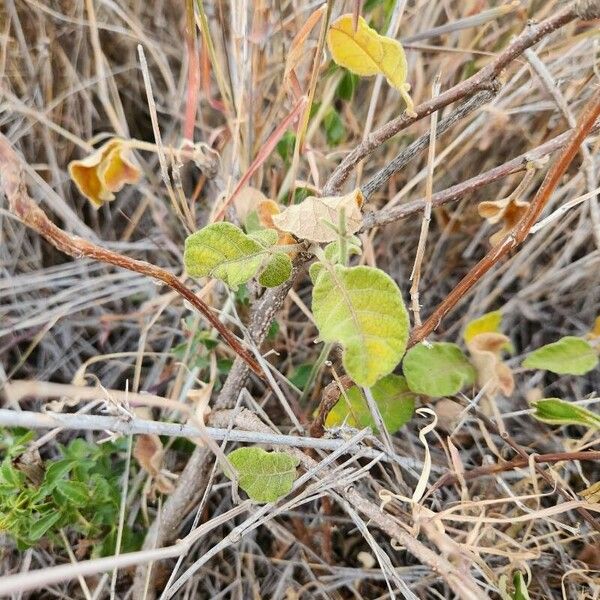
30,463
486,357
509,211
247,201
104,172
309,219
148,451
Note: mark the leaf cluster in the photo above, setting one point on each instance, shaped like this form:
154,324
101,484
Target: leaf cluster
80,491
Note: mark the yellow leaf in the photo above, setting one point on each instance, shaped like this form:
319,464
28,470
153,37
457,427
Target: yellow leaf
312,218
365,52
104,172
594,334
488,323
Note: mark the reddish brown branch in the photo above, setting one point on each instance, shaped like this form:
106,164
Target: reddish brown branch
455,192
586,122
515,463
484,79
21,204
543,473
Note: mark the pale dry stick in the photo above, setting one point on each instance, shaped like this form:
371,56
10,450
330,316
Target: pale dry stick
17,389
563,209
182,212
137,426
461,583
476,20
586,122
456,192
420,254
194,477
12,184
590,173
43,578
482,80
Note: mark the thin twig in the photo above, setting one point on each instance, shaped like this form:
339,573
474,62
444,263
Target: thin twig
407,154
458,191
21,204
515,463
481,80
420,254
588,117
135,426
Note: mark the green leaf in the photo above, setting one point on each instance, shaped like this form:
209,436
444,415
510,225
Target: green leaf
285,146
347,85
362,309
278,270
334,127
224,251
559,412
74,491
11,477
301,375
521,592
264,476
438,369
569,356
40,527
395,401
57,471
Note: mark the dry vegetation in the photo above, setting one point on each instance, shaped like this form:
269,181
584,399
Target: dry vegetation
124,348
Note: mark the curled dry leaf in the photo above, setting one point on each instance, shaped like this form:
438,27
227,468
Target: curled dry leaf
365,52
148,451
486,357
266,210
509,211
313,218
247,201
104,172
251,201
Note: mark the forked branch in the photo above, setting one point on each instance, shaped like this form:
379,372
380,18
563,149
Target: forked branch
586,122
22,205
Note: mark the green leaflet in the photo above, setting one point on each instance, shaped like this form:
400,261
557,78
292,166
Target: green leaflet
521,592
560,412
264,476
224,251
395,401
362,309
438,369
569,356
